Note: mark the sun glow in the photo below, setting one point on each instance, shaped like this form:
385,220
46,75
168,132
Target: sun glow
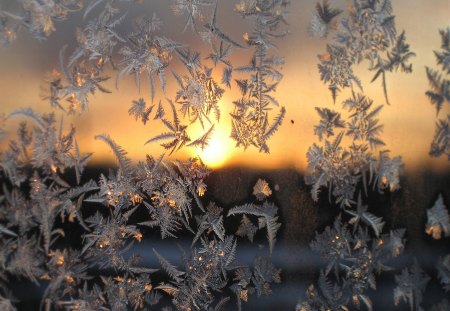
219,149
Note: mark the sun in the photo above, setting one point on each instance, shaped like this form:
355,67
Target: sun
219,149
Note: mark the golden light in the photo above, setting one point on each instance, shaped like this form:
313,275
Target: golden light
219,149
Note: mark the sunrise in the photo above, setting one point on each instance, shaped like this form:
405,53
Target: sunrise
224,155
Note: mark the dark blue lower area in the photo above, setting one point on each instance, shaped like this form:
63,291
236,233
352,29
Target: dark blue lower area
300,218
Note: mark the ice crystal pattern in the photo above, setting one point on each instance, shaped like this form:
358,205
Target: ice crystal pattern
411,284
354,257
439,95
149,54
367,31
341,168
438,220
364,34
40,204
251,125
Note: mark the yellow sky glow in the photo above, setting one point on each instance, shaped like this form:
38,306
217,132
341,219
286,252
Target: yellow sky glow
218,151
409,122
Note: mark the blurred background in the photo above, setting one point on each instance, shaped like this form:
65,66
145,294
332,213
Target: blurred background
409,125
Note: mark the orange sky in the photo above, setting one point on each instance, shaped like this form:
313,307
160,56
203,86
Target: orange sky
409,122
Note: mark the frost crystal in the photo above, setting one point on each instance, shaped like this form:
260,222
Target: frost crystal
438,222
